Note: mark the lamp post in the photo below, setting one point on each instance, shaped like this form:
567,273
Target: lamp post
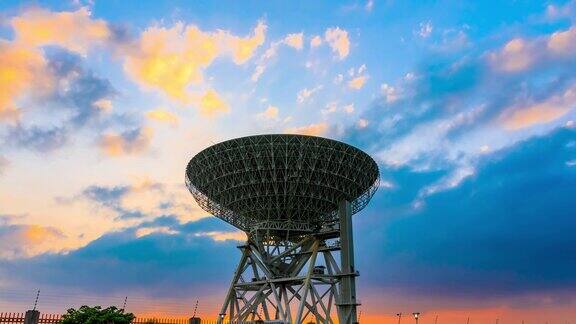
399,317
416,315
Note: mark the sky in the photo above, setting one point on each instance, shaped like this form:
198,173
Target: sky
469,108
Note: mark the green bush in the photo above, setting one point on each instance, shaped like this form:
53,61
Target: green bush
97,315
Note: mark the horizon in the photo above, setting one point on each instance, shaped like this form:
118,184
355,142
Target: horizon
469,109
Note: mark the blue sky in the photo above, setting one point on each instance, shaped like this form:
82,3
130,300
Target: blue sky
468,107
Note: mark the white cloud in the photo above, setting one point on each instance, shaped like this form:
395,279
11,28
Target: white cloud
362,123
305,94
425,29
389,92
349,108
331,108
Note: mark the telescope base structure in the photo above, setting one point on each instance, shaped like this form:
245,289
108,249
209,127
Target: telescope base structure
286,282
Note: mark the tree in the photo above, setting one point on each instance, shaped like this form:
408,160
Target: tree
97,315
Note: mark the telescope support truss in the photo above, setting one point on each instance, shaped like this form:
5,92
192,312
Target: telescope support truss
286,282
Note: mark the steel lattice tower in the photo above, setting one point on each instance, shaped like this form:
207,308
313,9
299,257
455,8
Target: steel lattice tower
294,196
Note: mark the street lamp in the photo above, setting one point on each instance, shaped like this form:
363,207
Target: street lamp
416,315
399,317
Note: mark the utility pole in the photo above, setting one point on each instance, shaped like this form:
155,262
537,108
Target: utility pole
399,317
36,301
195,308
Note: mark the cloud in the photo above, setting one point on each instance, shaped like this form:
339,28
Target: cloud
441,116
318,129
305,94
24,241
425,29
563,42
516,55
162,116
466,252
141,201
362,123
315,41
21,69
127,143
567,10
238,236
158,262
55,86
243,48
358,77
211,104
258,71
172,59
105,105
338,41
270,113
85,95
522,54
358,82
295,41
545,111
75,31
331,108
389,93
349,108
37,138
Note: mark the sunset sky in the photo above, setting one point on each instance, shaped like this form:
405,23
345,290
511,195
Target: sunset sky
469,108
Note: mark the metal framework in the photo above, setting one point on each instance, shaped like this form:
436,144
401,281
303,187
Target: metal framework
294,195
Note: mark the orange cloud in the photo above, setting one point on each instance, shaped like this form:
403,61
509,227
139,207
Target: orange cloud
563,42
76,30
243,48
270,113
540,113
18,241
295,40
516,55
211,103
338,40
225,236
520,54
162,116
358,82
126,144
318,129
21,69
316,41
172,59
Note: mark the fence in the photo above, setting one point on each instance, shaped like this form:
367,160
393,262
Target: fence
18,318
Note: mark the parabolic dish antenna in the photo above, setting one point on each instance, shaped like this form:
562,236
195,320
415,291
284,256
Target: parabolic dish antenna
294,196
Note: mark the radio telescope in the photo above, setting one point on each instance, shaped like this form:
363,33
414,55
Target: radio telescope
294,196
